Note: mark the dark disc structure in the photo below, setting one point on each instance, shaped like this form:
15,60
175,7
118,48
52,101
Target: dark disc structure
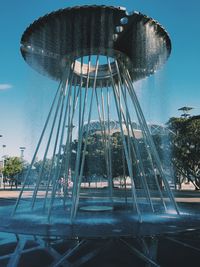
69,34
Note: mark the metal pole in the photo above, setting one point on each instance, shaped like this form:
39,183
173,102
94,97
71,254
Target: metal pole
58,165
79,147
109,141
45,154
76,199
106,148
149,154
152,145
53,157
37,148
135,203
136,150
69,140
103,132
141,255
139,163
61,100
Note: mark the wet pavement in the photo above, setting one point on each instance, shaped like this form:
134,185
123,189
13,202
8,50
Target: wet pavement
175,248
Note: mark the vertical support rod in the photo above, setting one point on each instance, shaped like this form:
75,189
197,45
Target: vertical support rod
52,163
77,196
69,140
152,145
103,132
125,147
79,148
57,172
106,146
109,140
149,154
61,99
136,150
37,148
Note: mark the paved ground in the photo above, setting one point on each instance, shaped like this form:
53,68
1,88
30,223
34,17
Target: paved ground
7,193
190,196
112,253
104,253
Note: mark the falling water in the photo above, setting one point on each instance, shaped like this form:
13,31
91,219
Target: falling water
95,114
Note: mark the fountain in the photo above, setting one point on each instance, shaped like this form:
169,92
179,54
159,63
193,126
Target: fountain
96,53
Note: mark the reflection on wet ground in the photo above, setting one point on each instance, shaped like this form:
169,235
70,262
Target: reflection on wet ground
104,240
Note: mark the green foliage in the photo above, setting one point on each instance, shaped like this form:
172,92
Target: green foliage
119,165
44,168
94,156
185,140
96,153
180,147
12,166
163,147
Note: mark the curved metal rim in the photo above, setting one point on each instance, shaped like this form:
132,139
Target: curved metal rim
42,20
38,22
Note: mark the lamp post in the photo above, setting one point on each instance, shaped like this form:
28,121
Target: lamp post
186,111
3,162
22,148
2,166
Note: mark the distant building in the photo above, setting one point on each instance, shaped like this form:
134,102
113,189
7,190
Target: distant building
97,127
113,126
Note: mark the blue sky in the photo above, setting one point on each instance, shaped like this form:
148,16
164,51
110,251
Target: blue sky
25,95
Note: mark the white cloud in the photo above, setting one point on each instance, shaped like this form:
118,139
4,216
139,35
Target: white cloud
5,86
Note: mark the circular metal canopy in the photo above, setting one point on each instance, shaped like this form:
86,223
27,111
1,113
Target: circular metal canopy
55,40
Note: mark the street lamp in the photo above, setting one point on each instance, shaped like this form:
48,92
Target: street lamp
186,111
3,146
22,148
2,167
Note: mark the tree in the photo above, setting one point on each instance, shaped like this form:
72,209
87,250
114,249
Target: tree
94,154
12,167
45,168
22,174
119,163
185,140
97,153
